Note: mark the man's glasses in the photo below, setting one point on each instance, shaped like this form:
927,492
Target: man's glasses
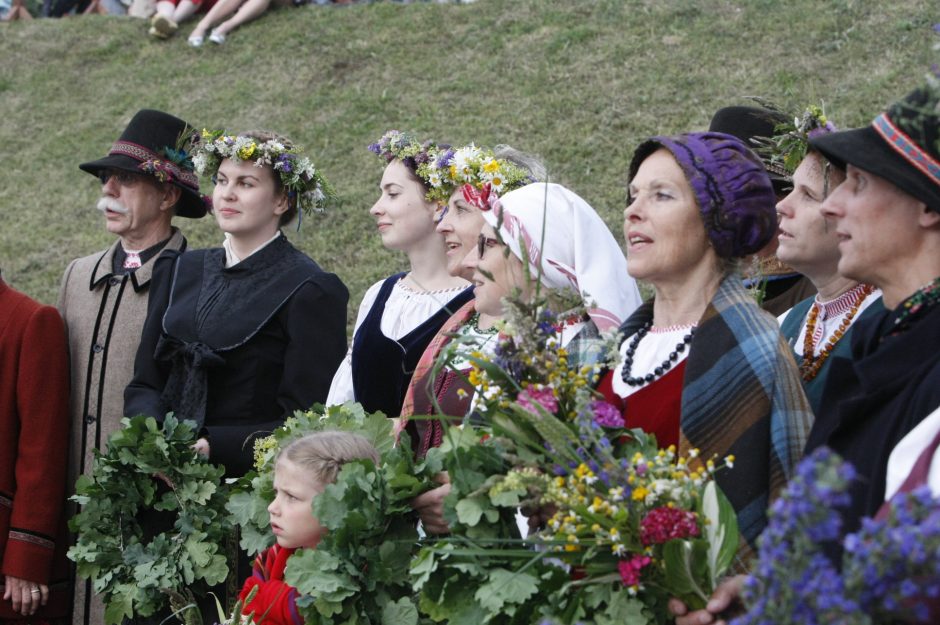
484,242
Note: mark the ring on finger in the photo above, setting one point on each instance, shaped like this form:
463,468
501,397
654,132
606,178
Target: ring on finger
35,591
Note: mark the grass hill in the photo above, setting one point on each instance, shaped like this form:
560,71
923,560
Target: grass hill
578,82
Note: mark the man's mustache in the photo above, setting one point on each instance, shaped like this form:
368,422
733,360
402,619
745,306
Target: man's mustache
110,204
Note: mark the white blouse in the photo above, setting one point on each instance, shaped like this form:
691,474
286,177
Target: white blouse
652,351
906,453
405,310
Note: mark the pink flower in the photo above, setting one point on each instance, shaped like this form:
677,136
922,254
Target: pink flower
606,415
544,397
630,569
663,524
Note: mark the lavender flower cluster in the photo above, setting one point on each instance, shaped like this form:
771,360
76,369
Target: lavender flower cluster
890,569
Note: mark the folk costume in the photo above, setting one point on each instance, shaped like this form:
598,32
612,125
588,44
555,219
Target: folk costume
819,331
733,390
34,390
275,602
103,301
393,328
889,385
238,348
726,385
568,246
877,394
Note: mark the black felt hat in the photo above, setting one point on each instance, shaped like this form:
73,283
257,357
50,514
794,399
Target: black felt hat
748,123
150,145
902,145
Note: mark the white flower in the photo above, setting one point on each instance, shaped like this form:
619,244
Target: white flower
200,160
464,160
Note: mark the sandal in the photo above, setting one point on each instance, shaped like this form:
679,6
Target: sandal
196,41
217,38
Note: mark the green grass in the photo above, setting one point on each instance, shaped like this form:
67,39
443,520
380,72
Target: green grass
579,83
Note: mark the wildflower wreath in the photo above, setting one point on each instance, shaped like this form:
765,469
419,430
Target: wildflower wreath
152,520
359,570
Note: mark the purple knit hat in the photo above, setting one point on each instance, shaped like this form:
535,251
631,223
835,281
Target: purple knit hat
732,187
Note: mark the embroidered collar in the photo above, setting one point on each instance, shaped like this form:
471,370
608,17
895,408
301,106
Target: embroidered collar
841,305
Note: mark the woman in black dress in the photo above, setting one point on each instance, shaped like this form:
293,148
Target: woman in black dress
239,337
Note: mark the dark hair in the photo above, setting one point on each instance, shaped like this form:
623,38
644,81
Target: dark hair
265,135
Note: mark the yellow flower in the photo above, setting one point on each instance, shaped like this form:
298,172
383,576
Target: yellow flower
491,167
640,494
246,152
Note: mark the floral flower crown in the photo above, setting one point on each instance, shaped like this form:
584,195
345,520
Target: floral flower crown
443,169
790,142
449,170
306,187
405,147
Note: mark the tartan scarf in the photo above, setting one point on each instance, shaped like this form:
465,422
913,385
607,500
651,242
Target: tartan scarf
741,396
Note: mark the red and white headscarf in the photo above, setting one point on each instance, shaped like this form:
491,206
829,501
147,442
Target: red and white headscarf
567,244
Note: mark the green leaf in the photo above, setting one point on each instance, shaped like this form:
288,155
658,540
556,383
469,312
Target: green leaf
680,566
505,587
721,532
623,609
422,566
469,511
121,604
508,498
401,612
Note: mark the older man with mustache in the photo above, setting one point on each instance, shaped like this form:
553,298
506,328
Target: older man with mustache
146,179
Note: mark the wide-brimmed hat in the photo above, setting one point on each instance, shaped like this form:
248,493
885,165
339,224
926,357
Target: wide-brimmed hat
902,145
733,190
749,123
151,145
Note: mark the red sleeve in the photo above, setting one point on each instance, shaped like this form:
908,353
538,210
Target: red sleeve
275,601
42,391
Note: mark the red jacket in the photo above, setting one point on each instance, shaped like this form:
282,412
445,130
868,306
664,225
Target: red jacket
275,601
34,392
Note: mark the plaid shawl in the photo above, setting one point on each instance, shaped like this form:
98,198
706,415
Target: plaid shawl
741,395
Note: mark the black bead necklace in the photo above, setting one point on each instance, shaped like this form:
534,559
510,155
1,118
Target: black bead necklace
658,371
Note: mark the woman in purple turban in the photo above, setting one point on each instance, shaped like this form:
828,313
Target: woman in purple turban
703,366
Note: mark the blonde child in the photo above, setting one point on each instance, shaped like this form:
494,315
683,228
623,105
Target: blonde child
301,472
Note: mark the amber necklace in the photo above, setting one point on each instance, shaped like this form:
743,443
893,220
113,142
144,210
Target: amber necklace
810,365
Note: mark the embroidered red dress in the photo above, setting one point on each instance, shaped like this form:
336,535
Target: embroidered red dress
276,601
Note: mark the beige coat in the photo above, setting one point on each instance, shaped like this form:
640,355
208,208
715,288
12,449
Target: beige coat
104,315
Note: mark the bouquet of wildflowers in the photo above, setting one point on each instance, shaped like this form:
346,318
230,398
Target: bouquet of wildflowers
630,525
890,567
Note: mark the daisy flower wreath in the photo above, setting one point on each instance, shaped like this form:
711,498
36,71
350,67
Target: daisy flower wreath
152,521
306,187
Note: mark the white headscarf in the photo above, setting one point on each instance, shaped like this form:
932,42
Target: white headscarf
570,246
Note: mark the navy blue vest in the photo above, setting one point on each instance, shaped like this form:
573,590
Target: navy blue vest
382,367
